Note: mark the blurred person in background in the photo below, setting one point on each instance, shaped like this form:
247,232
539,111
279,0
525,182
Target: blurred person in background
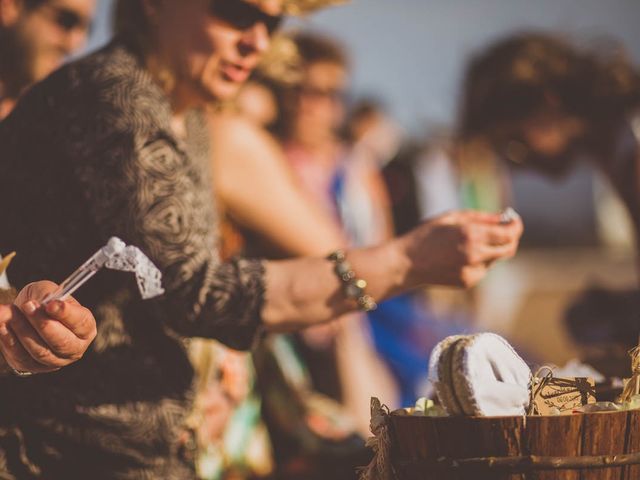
123,150
35,38
344,179
348,188
544,103
267,211
374,135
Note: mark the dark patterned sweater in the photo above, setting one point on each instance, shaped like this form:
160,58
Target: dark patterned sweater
88,154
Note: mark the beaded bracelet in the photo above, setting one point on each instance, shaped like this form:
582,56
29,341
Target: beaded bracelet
352,286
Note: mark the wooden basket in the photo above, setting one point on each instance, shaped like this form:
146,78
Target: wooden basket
595,446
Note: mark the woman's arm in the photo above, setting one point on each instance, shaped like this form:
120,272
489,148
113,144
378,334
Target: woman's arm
454,249
151,195
255,186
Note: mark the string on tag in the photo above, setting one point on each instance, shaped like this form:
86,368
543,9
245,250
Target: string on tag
538,382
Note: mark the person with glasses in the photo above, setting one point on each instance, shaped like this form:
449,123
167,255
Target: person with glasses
35,37
115,144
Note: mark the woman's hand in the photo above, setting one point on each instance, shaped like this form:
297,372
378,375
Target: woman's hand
455,249
39,339
458,248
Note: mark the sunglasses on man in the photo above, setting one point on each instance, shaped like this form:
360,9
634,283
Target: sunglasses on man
243,15
67,19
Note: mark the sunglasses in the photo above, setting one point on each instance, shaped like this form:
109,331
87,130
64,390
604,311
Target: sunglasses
243,15
67,19
334,94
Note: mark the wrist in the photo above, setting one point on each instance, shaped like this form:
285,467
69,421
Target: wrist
401,267
385,267
352,286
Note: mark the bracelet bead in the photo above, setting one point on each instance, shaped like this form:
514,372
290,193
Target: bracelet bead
352,286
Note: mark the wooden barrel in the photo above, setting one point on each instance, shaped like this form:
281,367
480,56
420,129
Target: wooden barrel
594,446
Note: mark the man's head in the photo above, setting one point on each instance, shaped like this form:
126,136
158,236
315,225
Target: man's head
36,36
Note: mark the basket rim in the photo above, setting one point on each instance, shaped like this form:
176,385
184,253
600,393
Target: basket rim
524,464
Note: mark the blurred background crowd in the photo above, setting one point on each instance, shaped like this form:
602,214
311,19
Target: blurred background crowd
367,118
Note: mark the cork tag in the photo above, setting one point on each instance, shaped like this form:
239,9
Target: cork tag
564,395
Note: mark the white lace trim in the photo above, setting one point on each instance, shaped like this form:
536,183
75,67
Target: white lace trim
148,277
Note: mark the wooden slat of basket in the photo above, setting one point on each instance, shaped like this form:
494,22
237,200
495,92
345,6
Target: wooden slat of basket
420,438
603,434
602,446
632,472
558,436
529,463
416,438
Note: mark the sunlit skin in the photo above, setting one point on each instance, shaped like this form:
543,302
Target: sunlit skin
257,103
551,133
210,60
50,43
39,39
198,59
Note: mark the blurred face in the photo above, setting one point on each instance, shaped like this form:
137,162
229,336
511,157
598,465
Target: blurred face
551,134
212,46
547,141
48,33
320,99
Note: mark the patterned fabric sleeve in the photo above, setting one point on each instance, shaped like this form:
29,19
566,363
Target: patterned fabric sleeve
156,197
154,191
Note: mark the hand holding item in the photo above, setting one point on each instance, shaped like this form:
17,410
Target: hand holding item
458,248
38,339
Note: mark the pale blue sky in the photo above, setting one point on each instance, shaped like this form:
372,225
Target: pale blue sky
412,52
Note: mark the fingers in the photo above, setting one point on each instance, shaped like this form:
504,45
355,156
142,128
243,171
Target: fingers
35,291
484,244
39,338
49,340
56,317
503,234
472,274
488,254
469,216
14,353
474,216
73,316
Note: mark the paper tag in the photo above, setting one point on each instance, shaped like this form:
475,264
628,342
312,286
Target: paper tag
564,394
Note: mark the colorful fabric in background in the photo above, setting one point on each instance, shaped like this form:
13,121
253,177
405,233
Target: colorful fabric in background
312,437
405,331
233,442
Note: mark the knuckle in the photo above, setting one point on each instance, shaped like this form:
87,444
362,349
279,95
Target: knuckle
64,347
43,356
465,233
